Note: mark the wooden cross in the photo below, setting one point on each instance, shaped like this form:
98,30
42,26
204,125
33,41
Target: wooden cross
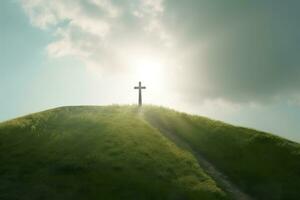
140,87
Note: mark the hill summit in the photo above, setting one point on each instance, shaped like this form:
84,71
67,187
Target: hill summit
126,152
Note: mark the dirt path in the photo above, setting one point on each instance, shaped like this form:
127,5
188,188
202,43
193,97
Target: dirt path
218,176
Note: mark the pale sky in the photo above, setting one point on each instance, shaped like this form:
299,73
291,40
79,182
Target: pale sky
235,61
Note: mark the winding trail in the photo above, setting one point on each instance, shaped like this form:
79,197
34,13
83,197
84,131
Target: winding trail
209,168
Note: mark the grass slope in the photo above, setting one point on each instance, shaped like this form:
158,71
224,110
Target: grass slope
264,165
96,153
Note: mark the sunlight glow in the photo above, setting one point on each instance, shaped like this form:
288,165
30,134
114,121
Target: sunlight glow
149,70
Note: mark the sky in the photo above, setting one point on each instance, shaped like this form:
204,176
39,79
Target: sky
234,61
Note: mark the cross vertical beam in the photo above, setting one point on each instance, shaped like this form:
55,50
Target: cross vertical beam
140,87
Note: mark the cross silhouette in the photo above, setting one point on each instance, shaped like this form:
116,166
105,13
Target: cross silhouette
140,87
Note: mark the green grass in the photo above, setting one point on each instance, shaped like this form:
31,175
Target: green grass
263,165
96,153
120,152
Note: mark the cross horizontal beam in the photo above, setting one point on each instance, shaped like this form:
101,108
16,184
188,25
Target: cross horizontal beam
136,87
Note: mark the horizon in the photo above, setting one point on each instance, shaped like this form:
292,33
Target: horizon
233,61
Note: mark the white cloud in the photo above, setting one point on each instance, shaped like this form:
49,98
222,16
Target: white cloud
95,30
153,8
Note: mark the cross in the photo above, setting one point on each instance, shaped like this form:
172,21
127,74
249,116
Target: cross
140,87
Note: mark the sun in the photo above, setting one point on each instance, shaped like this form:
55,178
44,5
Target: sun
148,66
149,70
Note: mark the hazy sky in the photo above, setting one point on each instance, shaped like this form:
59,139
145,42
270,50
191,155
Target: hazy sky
235,61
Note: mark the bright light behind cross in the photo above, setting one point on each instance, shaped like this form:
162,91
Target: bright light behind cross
150,70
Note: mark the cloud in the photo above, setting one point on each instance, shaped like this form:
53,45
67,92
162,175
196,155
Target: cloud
233,51
95,30
239,51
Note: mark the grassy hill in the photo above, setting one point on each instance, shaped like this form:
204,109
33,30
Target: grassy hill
122,152
96,153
